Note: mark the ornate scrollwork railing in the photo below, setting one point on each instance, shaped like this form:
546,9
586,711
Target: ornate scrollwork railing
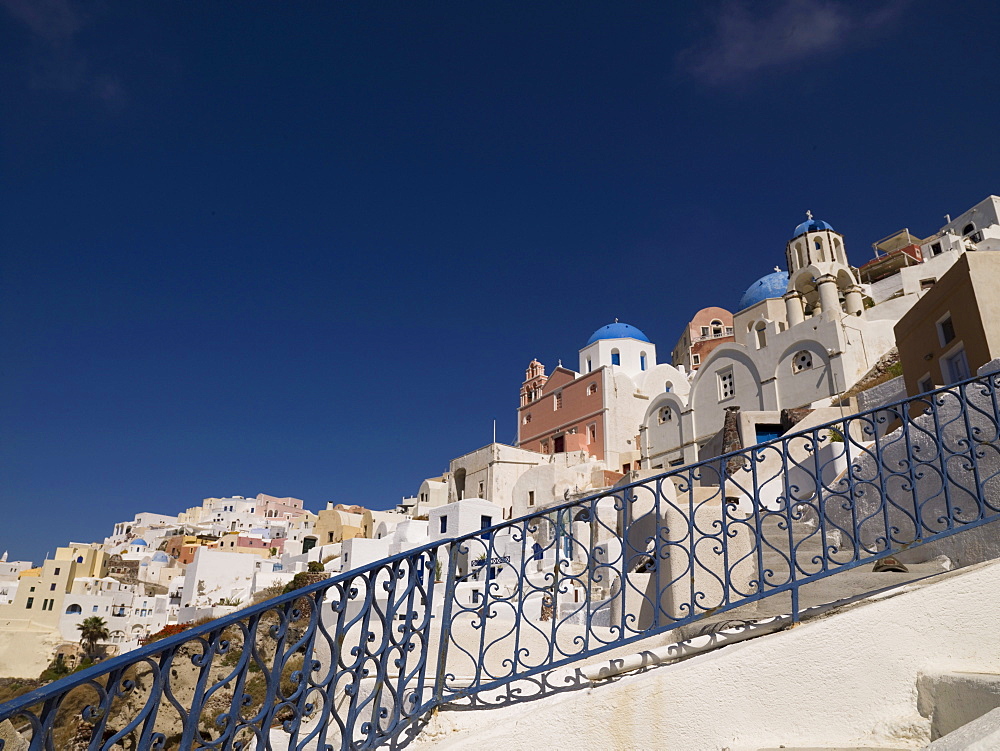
355,661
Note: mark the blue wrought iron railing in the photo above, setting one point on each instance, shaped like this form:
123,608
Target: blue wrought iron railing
354,661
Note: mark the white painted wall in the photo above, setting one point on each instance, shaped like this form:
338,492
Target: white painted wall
630,352
214,575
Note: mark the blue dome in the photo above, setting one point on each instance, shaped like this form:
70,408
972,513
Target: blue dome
774,284
139,541
160,557
811,225
617,331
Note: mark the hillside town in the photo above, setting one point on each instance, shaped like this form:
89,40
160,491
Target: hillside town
834,329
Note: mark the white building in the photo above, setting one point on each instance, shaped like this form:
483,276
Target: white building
214,578
802,338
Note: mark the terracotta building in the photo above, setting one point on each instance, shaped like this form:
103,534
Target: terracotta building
598,409
709,328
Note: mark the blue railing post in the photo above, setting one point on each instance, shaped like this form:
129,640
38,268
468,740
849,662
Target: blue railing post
449,597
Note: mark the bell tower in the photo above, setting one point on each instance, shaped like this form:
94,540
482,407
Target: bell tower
820,280
534,380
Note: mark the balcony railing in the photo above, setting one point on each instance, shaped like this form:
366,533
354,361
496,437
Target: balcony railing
354,661
706,337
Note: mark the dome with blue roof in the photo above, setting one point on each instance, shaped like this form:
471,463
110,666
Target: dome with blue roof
811,225
617,330
773,285
160,557
139,541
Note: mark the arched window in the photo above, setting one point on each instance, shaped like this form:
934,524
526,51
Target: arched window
819,249
667,386
590,365
74,609
717,328
761,335
799,251
838,252
616,357
802,361
591,389
968,229
642,361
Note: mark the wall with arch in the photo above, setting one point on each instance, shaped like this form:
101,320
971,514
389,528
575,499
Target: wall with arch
708,401
665,430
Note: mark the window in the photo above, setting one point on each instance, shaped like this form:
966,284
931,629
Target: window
926,284
968,229
481,487
936,249
591,389
727,385
531,497
616,357
444,524
52,587
29,603
925,384
802,361
956,367
704,330
485,522
545,447
946,330
592,432
642,361
716,328
527,417
665,415
590,365
696,359
476,594
667,386
557,402
55,572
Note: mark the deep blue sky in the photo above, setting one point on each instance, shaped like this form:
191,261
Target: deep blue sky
308,248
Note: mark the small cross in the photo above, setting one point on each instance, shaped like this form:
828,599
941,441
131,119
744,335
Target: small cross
616,320
777,269
809,215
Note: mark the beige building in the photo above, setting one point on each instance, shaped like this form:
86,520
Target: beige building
41,591
29,626
338,523
955,327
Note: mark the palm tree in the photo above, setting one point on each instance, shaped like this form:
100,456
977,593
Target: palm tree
92,630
